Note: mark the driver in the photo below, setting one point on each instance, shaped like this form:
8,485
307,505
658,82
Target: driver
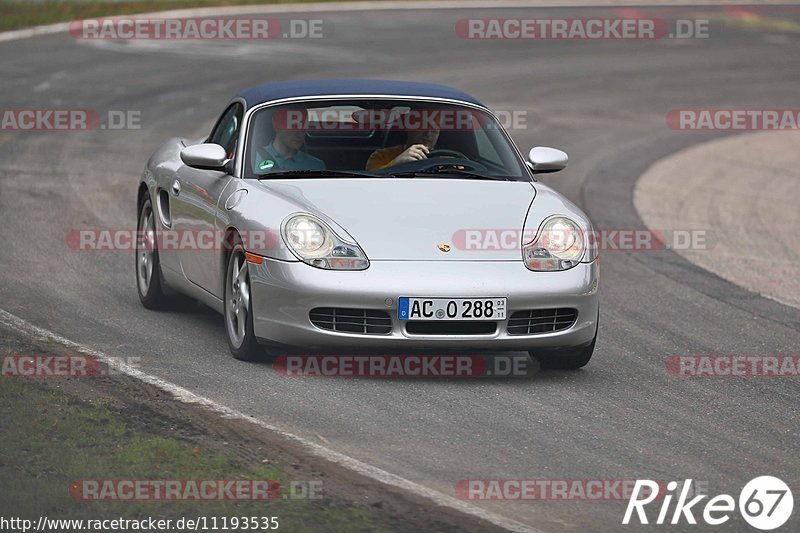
418,144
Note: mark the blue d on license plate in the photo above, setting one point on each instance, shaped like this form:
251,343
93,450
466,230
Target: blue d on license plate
451,308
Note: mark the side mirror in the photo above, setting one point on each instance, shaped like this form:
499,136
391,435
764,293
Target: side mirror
206,156
542,159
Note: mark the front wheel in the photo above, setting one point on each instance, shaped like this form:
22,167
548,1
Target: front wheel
239,308
148,269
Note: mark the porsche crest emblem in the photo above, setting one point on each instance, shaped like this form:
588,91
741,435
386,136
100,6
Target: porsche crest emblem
444,247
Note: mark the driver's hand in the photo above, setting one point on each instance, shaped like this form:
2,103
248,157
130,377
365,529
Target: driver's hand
415,152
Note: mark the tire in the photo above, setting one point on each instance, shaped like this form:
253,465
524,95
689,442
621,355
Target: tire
149,284
238,308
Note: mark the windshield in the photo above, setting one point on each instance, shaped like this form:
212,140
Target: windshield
378,137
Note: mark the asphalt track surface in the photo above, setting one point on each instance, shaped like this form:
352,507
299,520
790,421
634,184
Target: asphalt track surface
622,417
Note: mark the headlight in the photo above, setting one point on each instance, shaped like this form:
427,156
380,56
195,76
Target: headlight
307,237
559,245
315,243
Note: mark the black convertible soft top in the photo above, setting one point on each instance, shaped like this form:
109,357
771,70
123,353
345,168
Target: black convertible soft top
289,89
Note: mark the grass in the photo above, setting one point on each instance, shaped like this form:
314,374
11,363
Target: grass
50,439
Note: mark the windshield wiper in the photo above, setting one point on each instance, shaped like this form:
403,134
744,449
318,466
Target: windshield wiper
455,171
318,174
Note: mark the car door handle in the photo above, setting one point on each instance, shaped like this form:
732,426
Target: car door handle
176,187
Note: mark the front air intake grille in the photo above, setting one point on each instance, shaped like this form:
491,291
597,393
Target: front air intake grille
450,327
541,321
365,321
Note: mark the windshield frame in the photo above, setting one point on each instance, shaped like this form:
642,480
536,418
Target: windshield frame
242,147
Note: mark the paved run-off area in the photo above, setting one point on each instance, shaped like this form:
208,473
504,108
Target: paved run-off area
744,192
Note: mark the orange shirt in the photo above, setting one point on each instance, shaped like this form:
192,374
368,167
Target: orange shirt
381,158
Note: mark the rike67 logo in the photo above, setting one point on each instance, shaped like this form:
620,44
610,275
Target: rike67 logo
765,503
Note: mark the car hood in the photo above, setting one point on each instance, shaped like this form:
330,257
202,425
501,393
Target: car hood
408,219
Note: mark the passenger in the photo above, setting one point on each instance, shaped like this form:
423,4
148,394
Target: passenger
285,152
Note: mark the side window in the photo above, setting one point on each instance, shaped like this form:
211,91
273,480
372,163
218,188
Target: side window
226,132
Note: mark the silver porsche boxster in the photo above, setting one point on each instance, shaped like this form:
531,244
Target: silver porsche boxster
365,214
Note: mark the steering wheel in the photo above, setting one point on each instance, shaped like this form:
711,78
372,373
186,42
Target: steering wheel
440,159
446,153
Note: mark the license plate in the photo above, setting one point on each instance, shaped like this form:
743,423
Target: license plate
451,309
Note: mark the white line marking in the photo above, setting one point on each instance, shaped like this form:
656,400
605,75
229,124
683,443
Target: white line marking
13,35
382,6
184,395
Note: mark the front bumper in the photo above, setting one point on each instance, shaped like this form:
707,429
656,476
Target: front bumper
283,293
